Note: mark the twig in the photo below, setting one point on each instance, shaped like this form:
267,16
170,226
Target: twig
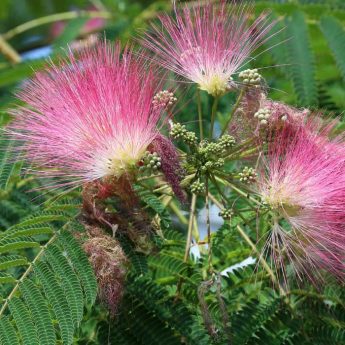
190,228
10,54
208,224
54,18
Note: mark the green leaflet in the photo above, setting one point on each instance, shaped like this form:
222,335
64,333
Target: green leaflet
7,333
335,36
40,312
301,59
12,261
68,280
56,298
8,245
24,321
81,265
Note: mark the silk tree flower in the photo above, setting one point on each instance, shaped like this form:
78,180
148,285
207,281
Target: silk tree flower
207,43
302,182
90,118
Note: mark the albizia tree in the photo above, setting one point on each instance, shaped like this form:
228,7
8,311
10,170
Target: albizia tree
105,121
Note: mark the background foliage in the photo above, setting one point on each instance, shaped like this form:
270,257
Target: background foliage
47,287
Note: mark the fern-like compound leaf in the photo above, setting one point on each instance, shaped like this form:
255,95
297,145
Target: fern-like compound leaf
301,59
335,36
57,300
9,261
81,265
23,242
68,280
8,334
40,312
24,321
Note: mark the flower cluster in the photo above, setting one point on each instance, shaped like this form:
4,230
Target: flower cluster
97,119
207,44
303,181
91,118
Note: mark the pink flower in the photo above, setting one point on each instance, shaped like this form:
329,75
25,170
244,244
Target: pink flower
90,118
207,43
302,181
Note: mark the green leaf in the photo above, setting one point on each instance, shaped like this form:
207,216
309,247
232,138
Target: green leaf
6,278
40,312
81,265
29,231
24,321
301,59
7,333
7,166
69,281
335,36
12,261
57,300
9,245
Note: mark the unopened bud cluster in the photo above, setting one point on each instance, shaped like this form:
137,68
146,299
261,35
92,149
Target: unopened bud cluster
163,99
211,155
198,187
248,175
151,161
178,131
227,213
251,77
263,115
226,141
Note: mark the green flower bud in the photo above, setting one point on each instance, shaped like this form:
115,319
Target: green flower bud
151,161
227,213
178,131
226,141
251,77
198,187
248,175
263,115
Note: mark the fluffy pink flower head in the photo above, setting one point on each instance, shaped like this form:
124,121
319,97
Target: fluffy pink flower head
90,118
302,180
207,43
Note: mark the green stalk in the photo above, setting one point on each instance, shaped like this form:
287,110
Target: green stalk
190,228
201,127
208,224
213,114
54,18
234,108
